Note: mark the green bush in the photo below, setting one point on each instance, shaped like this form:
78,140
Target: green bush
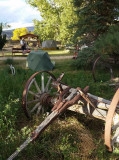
85,59
106,45
9,61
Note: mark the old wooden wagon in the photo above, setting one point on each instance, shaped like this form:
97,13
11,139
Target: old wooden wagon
44,92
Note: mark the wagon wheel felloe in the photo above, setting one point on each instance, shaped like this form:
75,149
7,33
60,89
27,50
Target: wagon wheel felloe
112,124
105,64
38,93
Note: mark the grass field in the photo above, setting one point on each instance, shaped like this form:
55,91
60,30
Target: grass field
50,52
71,137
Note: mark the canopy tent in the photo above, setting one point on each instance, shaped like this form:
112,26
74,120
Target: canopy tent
49,44
39,61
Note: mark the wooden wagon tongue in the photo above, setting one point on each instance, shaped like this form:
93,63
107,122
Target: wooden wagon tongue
60,107
79,100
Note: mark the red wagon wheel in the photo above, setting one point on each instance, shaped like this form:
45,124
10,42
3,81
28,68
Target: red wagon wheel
38,92
112,124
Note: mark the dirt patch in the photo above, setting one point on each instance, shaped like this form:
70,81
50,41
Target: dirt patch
87,144
80,136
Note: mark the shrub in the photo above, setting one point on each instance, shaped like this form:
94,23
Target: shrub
9,61
107,44
85,58
2,38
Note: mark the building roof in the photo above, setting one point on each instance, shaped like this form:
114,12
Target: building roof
29,35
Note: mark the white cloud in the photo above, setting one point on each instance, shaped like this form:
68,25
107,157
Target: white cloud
20,25
17,13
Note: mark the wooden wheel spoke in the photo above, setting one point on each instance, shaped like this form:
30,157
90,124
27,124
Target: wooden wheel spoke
36,91
48,83
42,83
39,109
42,110
34,94
37,87
35,107
33,101
50,90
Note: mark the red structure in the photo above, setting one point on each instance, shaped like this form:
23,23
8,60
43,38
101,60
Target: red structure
76,52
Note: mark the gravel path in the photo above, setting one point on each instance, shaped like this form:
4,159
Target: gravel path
24,58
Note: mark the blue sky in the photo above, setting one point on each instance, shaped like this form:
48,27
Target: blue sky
17,13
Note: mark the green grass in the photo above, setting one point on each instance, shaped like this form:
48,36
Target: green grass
58,52
71,137
50,52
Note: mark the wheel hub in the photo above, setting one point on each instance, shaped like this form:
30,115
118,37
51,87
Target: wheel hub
45,99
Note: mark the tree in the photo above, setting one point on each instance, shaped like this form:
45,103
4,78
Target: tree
108,43
2,38
94,18
57,16
5,25
19,32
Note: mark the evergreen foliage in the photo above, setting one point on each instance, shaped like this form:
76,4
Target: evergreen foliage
85,58
2,38
97,28
108,43
94,18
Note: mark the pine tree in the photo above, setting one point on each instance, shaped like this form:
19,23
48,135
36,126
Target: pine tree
108,43
95,17
2,38
97,27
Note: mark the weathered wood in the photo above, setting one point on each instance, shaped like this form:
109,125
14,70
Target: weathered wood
33,101
35,107
38,131
103,105
97,113
99,99
43,125
102,100
17,50
34,94
37,87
